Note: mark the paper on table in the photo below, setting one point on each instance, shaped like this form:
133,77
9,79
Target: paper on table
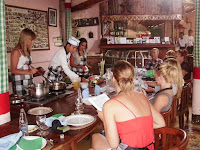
98,101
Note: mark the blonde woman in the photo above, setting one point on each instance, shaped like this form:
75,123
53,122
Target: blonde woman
20,62
174,62
165,76
135,121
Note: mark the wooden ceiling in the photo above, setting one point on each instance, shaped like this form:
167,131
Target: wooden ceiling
85,5
189,5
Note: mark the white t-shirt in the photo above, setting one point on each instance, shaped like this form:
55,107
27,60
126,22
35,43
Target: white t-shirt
190,40
182,42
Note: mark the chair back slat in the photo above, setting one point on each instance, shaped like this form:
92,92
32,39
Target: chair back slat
171,138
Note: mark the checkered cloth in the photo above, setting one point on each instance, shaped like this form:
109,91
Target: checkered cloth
197,35
3,51
55,74
79,61
68,23
153,64
21,82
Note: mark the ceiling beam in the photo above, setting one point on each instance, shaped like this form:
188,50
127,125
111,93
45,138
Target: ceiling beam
85,5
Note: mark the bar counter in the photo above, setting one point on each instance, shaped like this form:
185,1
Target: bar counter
124,47
64,105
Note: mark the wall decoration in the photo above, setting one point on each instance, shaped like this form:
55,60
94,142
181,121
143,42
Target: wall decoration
85,22
52,14
90,34
18,18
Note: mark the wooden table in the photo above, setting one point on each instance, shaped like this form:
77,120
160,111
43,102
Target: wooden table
65,105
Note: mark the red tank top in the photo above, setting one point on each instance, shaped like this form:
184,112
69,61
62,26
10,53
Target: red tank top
137,132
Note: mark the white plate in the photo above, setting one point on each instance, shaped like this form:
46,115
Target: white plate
32,128
44,142
40,110
79,120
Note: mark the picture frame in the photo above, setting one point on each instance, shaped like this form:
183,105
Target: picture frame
52,17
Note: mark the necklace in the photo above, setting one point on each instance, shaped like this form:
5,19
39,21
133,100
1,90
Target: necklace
163,90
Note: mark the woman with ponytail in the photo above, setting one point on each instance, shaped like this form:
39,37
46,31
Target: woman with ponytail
165,75
128,116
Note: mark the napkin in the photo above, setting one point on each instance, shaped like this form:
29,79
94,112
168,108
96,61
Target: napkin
30,144
86,93
97,90
8,141
59,117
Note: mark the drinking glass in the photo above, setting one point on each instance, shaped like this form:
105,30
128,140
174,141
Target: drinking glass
79,104
76,83
40,120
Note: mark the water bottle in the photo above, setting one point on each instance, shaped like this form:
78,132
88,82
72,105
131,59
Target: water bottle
23,123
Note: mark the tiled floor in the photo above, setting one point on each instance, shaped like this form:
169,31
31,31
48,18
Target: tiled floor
192,130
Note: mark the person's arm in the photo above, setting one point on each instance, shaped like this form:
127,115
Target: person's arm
15,55
74,65
110,125
158,120
161,101
65,66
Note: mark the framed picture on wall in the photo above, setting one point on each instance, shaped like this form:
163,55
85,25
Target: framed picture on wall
52,15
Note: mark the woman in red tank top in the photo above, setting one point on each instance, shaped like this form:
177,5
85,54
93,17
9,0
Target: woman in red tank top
128,117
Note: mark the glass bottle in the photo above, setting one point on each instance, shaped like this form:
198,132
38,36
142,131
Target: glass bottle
23,123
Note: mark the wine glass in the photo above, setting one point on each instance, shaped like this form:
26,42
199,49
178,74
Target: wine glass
40,120
79,104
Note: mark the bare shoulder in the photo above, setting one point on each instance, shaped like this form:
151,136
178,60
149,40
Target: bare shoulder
15,52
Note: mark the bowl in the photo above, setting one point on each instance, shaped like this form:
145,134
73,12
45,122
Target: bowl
84,85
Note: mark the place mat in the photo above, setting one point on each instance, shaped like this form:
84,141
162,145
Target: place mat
84,126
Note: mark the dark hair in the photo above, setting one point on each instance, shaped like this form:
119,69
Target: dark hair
82,40
190,30
181,33
183,53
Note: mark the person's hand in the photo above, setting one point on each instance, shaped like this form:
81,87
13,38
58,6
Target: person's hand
33,70
84,80
83,68
100,115
89,66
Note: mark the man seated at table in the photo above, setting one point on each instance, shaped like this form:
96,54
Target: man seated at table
154,61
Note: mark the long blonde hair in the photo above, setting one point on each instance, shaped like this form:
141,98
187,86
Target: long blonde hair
26,36
170,74
123,73
174,62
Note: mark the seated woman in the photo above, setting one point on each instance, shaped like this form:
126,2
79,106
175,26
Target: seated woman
175,87
135,121
165,76
181,57
78,60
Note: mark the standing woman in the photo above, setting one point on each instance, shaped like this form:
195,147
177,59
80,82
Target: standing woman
21,60
78,60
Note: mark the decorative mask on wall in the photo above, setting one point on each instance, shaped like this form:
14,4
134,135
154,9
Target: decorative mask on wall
90,34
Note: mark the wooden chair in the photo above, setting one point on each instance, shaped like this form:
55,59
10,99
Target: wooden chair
174,111
167,117
170,138
182,106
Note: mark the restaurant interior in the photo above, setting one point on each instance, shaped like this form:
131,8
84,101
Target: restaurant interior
115,30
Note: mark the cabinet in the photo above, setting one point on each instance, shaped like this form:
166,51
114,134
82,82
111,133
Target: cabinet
93,61
136,58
